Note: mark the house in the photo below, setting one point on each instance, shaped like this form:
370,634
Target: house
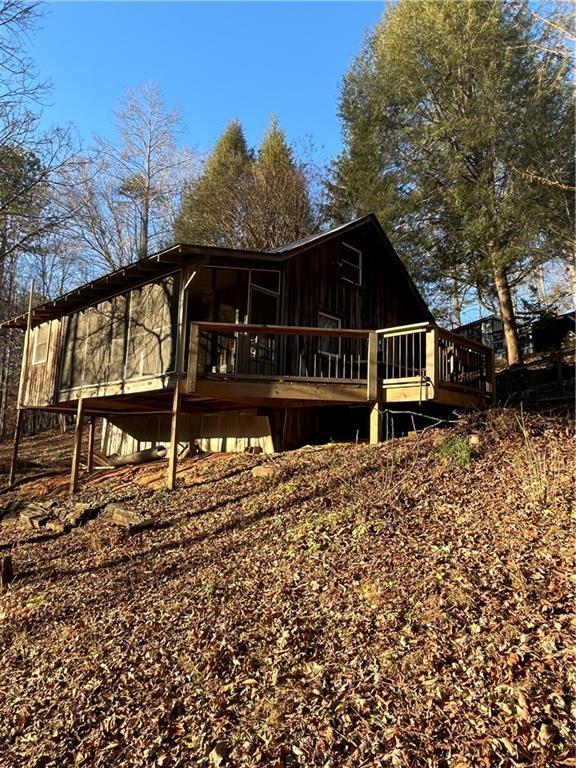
231,347
545,334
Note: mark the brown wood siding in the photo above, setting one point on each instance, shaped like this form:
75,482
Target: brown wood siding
127,338
314,283
40,378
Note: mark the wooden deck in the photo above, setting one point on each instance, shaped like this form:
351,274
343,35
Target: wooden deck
225,365
291,366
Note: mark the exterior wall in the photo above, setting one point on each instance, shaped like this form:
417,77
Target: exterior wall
314,282
127,344
214,431
130,338
41,364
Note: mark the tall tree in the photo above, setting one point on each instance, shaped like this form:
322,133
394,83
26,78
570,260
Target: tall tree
278,199
31,161
213,208
455,116
246,199
124,197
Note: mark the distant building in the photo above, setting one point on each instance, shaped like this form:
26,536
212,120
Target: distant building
542,335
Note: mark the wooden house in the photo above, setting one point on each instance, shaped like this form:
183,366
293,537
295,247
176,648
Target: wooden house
232,347
547,333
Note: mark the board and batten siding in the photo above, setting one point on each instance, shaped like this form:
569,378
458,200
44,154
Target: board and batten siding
319,281
215,431
41,364
128,338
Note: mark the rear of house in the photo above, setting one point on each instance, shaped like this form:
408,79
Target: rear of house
234,348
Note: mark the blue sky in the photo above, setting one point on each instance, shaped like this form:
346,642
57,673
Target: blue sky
214,60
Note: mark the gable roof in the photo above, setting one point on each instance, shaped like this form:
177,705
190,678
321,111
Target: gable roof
169,260
310,240
371,223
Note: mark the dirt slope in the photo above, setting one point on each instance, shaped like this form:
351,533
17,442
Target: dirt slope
402,605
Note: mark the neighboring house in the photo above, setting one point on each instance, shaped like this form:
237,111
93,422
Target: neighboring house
542,335
231,348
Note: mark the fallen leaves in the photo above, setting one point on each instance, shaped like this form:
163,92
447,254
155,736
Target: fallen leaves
359,608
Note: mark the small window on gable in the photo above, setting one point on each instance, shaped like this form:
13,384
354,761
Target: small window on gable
41,341
351,264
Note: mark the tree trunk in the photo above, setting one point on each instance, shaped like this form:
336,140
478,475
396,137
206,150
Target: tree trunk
513,349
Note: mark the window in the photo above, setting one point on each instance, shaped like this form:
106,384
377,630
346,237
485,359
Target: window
267,279
351,264
41,341
328,345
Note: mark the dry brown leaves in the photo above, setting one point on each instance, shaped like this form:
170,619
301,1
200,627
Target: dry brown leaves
381,606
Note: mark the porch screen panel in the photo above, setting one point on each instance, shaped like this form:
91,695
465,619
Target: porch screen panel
74,351
118,337
150,336
98,342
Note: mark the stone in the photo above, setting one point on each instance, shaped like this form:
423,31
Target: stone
124,516
141,525
264,471
56,526
33,518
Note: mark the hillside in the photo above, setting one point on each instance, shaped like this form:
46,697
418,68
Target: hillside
406,604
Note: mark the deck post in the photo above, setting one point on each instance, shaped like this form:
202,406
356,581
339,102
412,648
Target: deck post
186,277
75,470
432,361
372,373
192,371
17,430
91,440
21,386
375,424
173,451
492,375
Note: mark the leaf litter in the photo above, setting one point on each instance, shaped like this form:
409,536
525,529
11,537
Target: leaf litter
364,606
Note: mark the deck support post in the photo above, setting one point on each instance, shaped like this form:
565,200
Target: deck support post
375,424
372,372
21,386
91,440
432,361
17,430
173,451
186,277
75,470
192,372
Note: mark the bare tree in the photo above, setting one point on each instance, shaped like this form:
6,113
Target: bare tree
31,164
123,198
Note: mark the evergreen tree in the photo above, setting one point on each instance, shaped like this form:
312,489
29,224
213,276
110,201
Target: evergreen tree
458,133
279,206
247,200
213,207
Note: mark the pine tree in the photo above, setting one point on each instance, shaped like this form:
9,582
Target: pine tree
248,200
278,199
458,133
213,210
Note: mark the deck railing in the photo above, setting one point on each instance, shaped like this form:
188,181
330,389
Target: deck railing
420,354
254,351
464,363
402,352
